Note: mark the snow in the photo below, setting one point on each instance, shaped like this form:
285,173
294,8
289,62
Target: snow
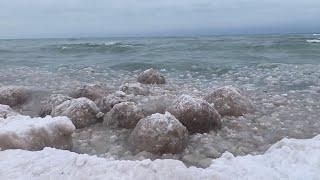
167,119
187,101
24,132
6,111
287,159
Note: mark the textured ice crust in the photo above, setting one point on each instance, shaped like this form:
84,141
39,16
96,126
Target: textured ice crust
196,114
6,111
159,134
230,101
24,132
287,159
82,111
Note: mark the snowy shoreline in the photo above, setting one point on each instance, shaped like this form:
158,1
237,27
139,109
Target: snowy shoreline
286,104
287,159
24,132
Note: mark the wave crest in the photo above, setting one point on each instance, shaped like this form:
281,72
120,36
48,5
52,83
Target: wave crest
313,40
115,47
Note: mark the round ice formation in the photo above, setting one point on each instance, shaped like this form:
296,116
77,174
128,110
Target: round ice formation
135,89
82,111
154,104
106,103
90,91
124,115
229,101
13,95
196,114
6,111
159,134
51,102
151,76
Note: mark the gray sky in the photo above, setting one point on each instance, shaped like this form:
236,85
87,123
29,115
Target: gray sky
74,18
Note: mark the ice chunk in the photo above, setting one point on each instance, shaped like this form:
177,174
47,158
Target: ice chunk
159,133
151,76
196,114
24,132
90,91
82,111
229,101
6,111
124,115
13,95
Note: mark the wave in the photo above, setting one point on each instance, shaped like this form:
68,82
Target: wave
313,40
316,34
201,69
115,47
94,45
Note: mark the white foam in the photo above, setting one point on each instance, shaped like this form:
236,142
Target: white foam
65,47
111,43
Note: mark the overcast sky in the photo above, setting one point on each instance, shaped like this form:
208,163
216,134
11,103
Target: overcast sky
74,18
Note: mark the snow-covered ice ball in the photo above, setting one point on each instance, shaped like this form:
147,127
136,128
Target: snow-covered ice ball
159,134
229,101
124,115
82,111
90,91
135,89
106,103
154,104
151,76
13,95
196,114
52,101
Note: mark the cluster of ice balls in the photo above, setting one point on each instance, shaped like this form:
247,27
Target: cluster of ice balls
156,129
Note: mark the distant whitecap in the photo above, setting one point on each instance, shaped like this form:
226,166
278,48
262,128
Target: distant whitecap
313,40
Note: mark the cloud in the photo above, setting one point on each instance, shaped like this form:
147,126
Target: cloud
33,18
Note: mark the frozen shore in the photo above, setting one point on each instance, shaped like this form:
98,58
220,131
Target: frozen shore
24,132
278,75
287,159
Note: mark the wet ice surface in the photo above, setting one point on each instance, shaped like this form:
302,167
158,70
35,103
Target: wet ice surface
286,98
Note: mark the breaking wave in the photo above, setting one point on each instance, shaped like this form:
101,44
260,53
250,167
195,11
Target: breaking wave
115,47
313,40
204,68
